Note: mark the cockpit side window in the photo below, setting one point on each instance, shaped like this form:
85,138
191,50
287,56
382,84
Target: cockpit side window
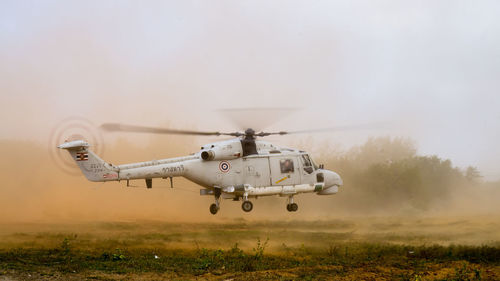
307,163
286,166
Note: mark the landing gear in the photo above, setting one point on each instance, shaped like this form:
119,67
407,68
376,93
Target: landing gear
214,208
291,206
247,206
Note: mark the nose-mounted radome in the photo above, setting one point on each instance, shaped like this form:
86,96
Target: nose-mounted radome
332,182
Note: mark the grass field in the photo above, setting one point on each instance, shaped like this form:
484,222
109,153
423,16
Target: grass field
377,248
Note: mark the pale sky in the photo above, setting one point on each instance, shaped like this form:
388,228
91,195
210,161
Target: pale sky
431,68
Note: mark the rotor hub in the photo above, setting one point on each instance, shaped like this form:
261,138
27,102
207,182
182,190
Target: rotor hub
249,133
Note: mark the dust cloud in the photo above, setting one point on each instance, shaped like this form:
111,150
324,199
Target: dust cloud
428,71
35,190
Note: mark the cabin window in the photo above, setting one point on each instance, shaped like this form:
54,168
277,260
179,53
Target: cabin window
306,162
286,166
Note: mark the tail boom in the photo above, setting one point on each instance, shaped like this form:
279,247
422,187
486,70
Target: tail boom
97,170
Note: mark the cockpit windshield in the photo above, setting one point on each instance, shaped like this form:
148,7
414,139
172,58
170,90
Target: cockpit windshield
314,164
307,164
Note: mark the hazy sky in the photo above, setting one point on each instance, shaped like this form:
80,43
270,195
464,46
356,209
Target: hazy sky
431,68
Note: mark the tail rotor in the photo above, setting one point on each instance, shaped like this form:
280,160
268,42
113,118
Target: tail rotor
71,129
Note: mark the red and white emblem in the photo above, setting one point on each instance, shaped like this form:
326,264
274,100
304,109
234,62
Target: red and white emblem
82,156
224,166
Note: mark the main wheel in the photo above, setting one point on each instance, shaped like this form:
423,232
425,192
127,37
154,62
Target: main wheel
288,207
214,209
294,207
247,206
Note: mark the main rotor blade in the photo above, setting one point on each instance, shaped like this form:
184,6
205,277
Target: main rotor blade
117,127
369,126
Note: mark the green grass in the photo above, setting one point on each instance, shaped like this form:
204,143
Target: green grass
248,251
68,258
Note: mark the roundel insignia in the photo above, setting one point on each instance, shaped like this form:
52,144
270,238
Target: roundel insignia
224,166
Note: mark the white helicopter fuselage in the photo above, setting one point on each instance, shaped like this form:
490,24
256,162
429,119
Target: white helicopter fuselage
223,169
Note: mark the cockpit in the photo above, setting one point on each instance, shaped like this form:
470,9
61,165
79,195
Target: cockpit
307,163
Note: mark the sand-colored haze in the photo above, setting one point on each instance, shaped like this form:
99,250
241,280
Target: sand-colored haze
429,69
35,190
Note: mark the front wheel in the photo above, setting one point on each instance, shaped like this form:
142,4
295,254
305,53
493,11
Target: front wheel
247,206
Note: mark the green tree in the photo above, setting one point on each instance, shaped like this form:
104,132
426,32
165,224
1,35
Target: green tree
472,174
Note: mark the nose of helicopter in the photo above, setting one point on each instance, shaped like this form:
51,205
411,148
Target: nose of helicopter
332,183
332,178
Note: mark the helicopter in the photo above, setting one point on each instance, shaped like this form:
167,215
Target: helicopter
239,168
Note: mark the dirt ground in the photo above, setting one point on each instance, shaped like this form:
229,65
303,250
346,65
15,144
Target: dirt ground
309,250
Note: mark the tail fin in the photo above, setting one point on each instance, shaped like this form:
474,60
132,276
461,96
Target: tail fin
93,167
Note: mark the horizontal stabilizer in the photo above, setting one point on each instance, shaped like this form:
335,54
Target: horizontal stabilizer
78,144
